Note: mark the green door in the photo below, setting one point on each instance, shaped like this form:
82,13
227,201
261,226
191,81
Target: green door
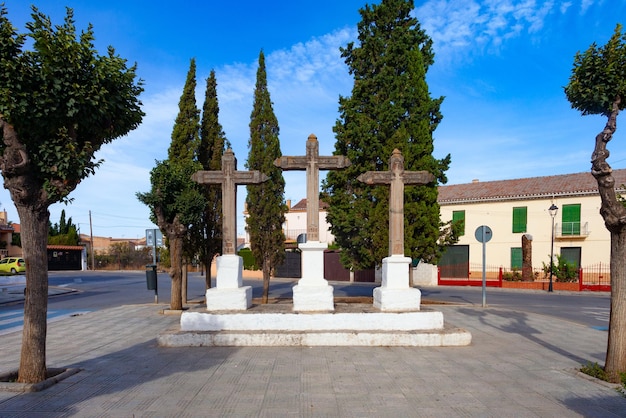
455,262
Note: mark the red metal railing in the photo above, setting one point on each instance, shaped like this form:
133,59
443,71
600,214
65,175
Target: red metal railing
595,277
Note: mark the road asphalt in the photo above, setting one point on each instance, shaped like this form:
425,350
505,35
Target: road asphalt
518,365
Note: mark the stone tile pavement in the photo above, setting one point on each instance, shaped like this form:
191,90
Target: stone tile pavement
518,365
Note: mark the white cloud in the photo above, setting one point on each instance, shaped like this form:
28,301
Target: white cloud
454,24
585,5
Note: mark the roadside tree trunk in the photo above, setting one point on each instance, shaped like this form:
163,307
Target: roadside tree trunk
175,233
34,234
266,280
614,214
207,277
176,272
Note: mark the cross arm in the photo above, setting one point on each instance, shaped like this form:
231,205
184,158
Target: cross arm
291,163
417,177
333,163
208,177
249,177
375,177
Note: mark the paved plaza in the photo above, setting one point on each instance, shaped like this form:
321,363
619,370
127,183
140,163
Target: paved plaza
518,365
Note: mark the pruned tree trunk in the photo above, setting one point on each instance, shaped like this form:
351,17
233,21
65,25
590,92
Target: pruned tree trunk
176,272
175,233
34,234
614,215
207,278
185,282
266,281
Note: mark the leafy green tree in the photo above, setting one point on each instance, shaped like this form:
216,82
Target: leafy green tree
207,235
174,200
265,201
597,86
390,107
59,103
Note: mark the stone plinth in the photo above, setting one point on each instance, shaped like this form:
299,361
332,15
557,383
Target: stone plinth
229,292
313,293
394,294
349,325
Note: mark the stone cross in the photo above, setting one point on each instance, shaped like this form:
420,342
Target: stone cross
312,163
229,178
397,178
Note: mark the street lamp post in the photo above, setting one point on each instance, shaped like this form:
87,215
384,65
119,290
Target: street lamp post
552,210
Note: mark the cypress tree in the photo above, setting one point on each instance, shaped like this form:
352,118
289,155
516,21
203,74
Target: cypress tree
208,235
186,127
265,201
175,200
390,107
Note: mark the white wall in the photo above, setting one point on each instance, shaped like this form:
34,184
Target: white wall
595,247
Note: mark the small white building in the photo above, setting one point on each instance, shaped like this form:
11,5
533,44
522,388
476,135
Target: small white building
295,222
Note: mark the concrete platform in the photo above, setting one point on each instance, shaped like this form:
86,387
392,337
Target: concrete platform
349,325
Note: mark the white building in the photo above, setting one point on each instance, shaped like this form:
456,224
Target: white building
295,222
512,208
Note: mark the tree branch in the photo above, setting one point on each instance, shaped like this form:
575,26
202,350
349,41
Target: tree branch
612,210
14,160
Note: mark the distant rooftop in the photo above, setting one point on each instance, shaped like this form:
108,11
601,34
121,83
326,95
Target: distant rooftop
577,184
301,206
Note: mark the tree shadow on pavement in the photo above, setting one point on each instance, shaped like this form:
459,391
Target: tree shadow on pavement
118,377
518,324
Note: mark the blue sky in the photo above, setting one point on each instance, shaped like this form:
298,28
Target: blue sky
501,65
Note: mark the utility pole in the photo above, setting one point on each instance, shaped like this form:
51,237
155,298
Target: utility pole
93,262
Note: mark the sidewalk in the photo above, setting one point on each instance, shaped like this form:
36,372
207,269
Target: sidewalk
519,365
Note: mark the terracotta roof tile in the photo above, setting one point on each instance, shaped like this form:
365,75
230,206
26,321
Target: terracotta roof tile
65,247
301,206
527,188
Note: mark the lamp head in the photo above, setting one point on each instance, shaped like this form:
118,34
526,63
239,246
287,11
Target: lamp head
553,210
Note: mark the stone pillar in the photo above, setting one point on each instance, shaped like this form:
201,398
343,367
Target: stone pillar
527,258
229,292
312,293
395,294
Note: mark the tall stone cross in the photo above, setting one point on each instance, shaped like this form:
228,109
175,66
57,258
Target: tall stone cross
397,178
312,163
229,178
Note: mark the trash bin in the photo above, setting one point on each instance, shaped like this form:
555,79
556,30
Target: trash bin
151,276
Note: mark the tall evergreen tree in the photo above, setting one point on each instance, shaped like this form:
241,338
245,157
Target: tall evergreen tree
265,201
185,135
208,234
390,107
174,200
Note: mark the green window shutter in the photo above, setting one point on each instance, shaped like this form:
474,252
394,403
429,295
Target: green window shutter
516,258
459,216
519,219
570,219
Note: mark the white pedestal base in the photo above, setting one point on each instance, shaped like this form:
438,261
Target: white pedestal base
313,298
228,293
358,325
313,293
394,294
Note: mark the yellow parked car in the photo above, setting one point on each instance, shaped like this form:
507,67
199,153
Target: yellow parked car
12,265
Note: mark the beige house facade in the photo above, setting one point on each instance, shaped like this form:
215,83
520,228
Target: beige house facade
513,208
